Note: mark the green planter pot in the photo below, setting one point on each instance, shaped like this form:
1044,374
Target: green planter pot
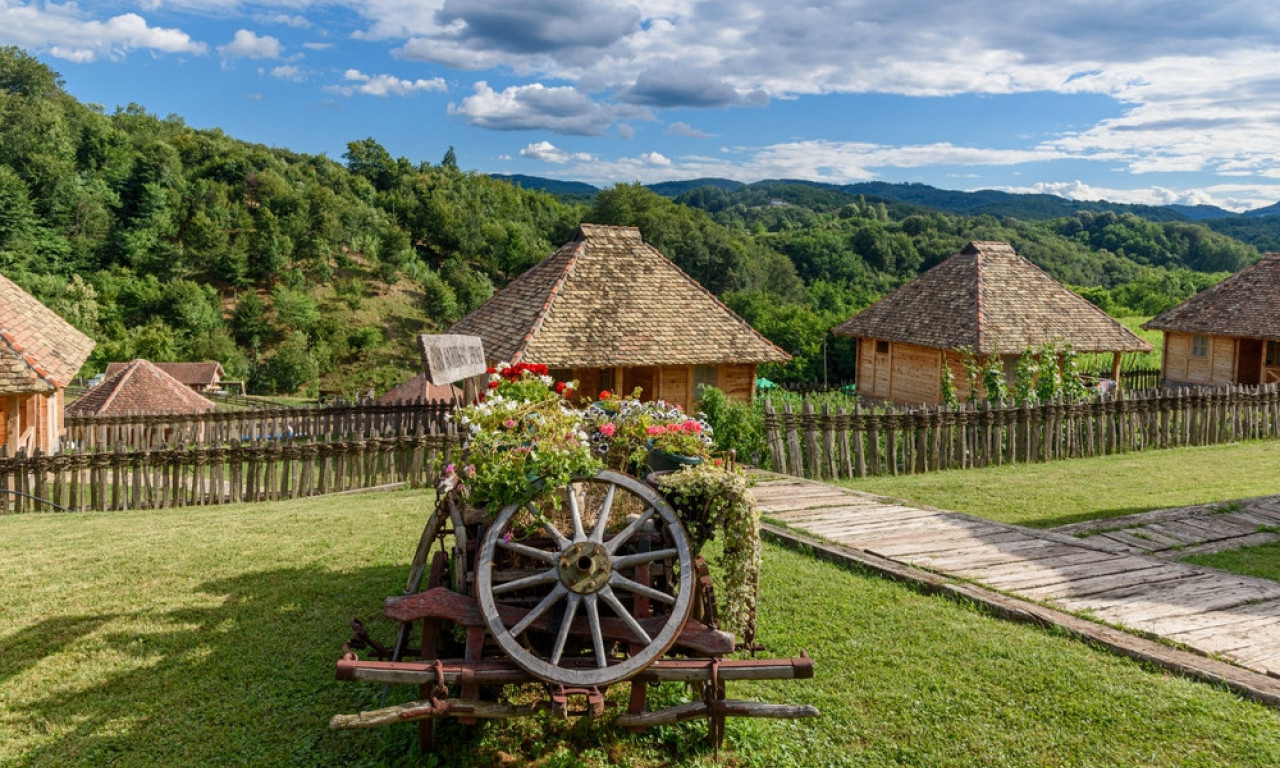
661,461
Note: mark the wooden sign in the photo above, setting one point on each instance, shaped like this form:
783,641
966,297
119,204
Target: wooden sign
451,357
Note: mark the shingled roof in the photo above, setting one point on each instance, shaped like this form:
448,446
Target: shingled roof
989,299
607,298
139,387
419,387
191,374
1245,304
39,351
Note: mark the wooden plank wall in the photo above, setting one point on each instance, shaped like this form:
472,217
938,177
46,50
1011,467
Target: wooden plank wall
258,470
1215,368
892,440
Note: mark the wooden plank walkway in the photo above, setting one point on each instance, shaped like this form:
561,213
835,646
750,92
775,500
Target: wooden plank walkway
1109,578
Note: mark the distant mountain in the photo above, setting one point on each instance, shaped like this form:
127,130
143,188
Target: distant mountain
1257,213
1202,212
677,188
556,187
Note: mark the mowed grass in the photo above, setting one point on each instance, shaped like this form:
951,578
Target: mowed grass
207,637
1069,491
1262,560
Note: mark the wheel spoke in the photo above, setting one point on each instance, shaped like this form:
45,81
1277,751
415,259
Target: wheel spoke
612,544
630,561
622,582
597,533
539,609
607,595
570,610
551,530
528,551
546,577
575,515
597,637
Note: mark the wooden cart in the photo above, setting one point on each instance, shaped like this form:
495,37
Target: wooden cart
595,586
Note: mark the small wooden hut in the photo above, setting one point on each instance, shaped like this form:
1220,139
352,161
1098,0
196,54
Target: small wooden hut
200,377
610,311
986,300
39,355
139,388
1228,333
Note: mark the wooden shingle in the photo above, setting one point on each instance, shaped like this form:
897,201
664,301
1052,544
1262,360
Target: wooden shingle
1245,304
607,298
39,351
990,300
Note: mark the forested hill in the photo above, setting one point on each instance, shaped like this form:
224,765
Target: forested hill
302,272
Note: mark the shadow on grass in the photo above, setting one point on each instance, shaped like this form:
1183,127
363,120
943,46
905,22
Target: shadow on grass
251,682
1082,517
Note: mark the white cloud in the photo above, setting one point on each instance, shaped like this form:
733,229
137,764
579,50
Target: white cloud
66,33
288,72
562,109
384,85
686,130
249,45
283,19
1232,197
655,158
550,153
317,46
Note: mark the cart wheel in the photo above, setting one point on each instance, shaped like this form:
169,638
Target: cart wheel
581,570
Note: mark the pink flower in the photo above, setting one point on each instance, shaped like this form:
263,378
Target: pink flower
469,470
608,428
656,429
692,426
509,423
448,470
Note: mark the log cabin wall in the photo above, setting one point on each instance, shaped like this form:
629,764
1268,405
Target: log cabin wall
1199,359
903,373
673,383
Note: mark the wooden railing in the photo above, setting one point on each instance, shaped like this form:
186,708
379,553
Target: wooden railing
220,473
137,432
836,443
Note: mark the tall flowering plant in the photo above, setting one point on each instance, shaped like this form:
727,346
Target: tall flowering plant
525,436
624,429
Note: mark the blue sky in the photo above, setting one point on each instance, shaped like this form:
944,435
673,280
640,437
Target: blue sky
1154,102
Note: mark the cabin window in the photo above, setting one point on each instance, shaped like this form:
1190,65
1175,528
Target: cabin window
1199,346
882,347
605,380
704,375
1273,354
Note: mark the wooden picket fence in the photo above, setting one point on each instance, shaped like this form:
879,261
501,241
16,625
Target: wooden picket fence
836,443
220,473
137,432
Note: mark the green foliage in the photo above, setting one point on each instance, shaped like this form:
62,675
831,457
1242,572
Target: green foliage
286,371
737,426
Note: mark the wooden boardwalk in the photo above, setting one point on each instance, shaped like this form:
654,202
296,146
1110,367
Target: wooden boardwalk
1213,612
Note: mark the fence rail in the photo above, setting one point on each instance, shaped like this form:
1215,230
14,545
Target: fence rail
136,432
836,443
1133,379
261,470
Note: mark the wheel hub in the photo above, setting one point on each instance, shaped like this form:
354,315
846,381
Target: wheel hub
585,567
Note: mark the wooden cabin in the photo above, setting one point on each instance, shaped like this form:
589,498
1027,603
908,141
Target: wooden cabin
139,388
39,355
419,388
200,377
1228,333
611,312
987,300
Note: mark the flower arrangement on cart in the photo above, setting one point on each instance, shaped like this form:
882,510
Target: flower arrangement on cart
565,551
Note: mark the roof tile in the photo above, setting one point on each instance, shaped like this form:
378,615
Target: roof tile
1245,304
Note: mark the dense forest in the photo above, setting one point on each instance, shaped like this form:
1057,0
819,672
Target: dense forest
301,272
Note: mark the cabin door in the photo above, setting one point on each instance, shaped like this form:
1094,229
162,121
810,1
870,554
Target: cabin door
1271,363
1249,362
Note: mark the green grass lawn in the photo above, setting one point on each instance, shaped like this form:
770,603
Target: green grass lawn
1262,560
1070,491
206,637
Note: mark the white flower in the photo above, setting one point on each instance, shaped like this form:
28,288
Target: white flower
550,382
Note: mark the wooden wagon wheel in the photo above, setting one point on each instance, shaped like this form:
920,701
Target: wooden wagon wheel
583,569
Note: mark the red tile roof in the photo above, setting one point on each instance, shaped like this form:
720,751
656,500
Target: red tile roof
990,300
39,351
607,298
419,387
192,374
1245,304
139,388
